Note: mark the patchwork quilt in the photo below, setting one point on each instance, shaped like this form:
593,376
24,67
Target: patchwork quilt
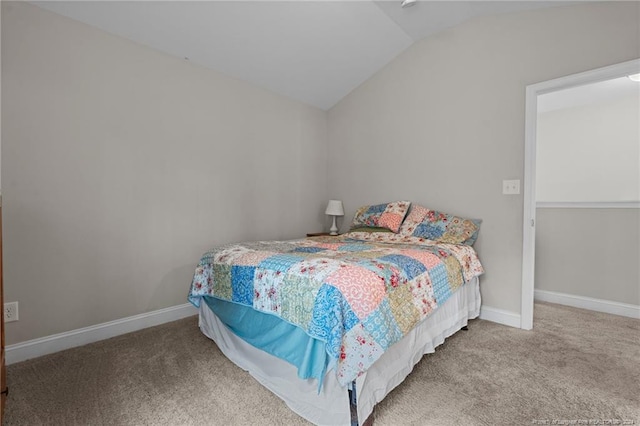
359,297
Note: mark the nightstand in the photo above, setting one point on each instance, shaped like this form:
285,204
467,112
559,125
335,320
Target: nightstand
320,234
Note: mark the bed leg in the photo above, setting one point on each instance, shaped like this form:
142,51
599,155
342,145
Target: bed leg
465,328
353,404
353,408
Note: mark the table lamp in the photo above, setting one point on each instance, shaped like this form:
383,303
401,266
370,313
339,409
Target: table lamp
334,208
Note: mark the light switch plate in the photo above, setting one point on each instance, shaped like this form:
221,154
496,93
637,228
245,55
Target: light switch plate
511,187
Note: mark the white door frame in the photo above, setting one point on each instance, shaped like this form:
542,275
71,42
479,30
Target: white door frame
529,194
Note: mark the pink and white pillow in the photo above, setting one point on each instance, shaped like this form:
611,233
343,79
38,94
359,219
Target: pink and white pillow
388,215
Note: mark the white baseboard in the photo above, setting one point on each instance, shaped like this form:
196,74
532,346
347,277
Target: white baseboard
599,305
82,336
500,316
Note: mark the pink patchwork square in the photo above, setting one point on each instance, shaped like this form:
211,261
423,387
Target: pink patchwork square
362,288
391,221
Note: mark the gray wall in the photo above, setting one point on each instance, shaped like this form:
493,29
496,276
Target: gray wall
590,152
122,165
589,252
443,124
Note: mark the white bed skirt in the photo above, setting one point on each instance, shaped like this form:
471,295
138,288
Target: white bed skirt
331,405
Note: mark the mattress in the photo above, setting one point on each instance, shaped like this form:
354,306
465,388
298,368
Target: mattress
329,405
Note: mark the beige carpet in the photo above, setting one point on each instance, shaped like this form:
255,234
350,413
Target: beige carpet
575,365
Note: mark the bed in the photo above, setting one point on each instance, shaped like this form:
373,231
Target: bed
332,324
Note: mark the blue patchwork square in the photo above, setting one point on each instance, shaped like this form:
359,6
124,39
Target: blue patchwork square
378,208
280,262
332,317
411,267
354,247
430,231
382,326
308,249
440,283
242,284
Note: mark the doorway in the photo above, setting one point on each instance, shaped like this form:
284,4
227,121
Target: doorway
529,192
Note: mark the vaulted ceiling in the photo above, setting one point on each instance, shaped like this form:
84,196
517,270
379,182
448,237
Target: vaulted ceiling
312,51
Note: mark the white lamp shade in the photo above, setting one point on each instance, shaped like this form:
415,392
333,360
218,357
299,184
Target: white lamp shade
334,208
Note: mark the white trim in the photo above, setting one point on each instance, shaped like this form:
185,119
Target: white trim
500,316
600,305
529,209
588,204
82,336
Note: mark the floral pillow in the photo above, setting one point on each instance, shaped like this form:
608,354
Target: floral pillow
389,216
441,227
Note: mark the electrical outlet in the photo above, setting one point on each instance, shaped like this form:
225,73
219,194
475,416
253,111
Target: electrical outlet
11,311
511,187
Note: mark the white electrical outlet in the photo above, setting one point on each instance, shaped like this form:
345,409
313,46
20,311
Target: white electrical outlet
11,311
511,187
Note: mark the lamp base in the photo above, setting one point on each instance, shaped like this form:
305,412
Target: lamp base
334,228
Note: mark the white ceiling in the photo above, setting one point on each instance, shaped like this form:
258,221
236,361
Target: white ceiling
313,51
